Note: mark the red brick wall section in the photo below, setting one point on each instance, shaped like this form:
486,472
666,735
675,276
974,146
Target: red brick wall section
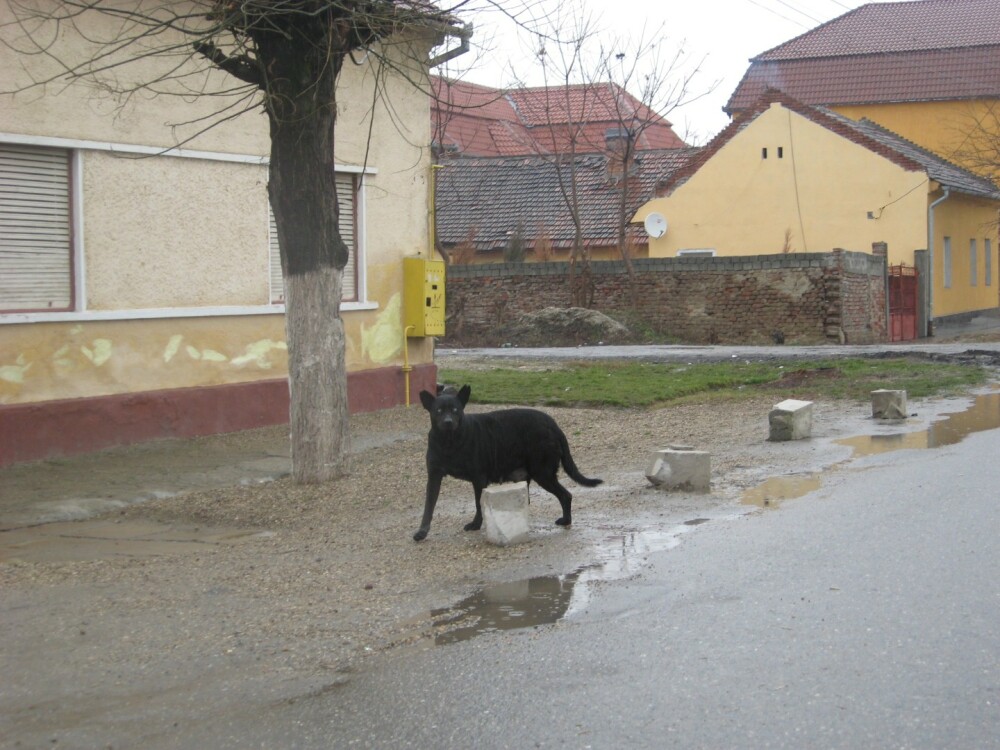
797,297
49,429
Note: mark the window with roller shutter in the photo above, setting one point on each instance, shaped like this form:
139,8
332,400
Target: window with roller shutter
347,200
36,240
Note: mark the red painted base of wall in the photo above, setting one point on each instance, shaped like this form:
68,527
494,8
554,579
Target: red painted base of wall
30,432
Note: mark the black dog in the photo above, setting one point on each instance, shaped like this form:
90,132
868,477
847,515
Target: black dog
500,446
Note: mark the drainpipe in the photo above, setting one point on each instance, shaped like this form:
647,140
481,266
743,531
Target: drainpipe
930,259
407,368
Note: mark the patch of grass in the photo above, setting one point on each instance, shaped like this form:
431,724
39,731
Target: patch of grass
636,384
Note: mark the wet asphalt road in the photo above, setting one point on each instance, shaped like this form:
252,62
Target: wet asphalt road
865,614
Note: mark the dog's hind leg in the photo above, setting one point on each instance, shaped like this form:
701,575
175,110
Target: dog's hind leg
551,484
477,523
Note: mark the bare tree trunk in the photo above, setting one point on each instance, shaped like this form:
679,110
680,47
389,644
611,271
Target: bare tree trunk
302,111
319,409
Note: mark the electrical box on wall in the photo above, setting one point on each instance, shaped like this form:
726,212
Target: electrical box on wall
423,296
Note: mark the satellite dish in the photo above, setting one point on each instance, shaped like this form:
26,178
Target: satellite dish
656,225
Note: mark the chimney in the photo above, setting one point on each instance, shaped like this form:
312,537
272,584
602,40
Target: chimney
620,148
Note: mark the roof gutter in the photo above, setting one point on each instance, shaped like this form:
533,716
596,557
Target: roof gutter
930,259
463,34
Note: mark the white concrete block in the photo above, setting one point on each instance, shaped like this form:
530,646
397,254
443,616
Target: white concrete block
888,404
680,468
790,420
505,513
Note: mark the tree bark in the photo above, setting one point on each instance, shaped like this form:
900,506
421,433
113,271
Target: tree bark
301,106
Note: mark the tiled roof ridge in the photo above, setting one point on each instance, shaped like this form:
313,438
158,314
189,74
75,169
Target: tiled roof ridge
545,159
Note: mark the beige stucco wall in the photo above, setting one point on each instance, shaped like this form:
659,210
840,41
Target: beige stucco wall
168,113
820,192
166,232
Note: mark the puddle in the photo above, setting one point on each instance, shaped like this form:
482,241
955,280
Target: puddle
545,600
776,490
983,414
102,540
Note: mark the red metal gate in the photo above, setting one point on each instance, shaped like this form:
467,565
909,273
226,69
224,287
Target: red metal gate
903,302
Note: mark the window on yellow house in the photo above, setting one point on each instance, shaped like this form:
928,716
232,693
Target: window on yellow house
973,263
946,262
988,262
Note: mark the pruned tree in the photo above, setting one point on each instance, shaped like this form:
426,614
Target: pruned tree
976,133
660,78
629,84
284,56
561,57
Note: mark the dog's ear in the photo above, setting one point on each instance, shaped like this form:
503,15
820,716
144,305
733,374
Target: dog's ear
463,394
427,399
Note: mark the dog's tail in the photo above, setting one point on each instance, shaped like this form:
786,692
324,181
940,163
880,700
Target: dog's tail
570,466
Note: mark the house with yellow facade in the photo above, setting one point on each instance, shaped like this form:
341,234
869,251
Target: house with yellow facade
928,70
141,293
785,177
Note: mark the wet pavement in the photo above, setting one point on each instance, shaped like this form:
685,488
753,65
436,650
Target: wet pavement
548,599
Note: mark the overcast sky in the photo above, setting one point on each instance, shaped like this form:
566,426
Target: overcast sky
720,35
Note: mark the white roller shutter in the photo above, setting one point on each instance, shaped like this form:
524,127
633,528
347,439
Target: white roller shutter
36,271
346,200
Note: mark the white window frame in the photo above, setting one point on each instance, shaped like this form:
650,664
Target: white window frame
946,263
80,313
697,252
973,263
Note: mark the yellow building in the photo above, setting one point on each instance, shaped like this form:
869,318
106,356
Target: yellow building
785,177
927,70
140,286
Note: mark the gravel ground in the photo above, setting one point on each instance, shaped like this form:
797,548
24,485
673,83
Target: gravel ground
333,573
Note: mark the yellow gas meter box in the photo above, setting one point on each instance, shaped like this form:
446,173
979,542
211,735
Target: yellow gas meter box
423,297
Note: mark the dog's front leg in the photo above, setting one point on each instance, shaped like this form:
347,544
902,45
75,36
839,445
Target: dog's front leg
433,489
476,523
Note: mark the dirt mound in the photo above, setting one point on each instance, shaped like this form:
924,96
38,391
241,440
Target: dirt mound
564,326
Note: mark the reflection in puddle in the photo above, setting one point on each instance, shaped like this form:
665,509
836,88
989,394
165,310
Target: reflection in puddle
984,414
101,540
547,599
776,490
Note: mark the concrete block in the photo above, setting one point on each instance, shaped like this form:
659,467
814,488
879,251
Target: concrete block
505,513
887,404
680,468
790,420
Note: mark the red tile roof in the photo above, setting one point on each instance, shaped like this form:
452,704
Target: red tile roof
897,27
476,120
885,52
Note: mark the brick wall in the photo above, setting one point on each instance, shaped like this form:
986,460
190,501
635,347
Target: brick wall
798,297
